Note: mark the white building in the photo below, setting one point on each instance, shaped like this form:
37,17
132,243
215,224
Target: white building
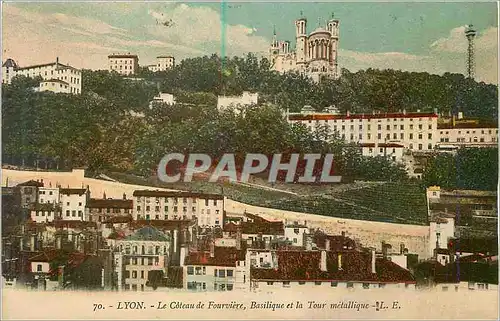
138,254
48,195
246,99
467,133
441,230
295,233
44,213
126,64
415,131
315,54
207,209
164,98
73,202
394,151
57,77
221,269
163,63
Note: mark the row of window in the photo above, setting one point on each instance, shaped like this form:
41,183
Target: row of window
379,127
369,120
42,213
150,251
175,209
203,286
388,136
143,261
468,132
462,140
332,284
201,270
73,213
174,200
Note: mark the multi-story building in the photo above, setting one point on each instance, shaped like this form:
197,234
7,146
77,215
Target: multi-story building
101,210
136,255
29,192
73,202
162,63
57,77
220,269
315,54
49,195
306,270
207,209
415,131
459,132
125,64
45,213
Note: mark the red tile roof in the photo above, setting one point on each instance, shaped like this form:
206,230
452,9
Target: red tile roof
356,267
69,191
73,224
337,242
293,117
223,256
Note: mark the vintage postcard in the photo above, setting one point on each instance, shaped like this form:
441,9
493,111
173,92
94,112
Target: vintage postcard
249,160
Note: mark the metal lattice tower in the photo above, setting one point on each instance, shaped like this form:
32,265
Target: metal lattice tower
470,33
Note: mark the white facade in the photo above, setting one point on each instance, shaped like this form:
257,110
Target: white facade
57,77
295,234
123,64
163,63
73,202
43,215
158,205
394,151
135,258
302,286
164,98
40,267
415,131
399,259
214,278
468,136
315,55
48,195
440,231
246,99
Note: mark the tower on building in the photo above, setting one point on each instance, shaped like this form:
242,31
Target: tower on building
470,33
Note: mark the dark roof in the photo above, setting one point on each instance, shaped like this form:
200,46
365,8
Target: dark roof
118,219
123,56
337,242
148,233
467,125
162,224
356,267
44,65
31,183
151,193
9,63
69,191
223,256
268,228
166,57
393,145
73,224
109,203
475,245
360,116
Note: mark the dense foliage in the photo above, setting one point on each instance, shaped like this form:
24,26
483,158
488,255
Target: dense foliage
96,129
471,168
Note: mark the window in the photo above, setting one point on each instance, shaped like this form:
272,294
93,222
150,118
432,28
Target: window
411,135
302,282
317,283
229,273
366,285
419,136
381,285
157,208
379,127
215,272
430,135
80,204
429,146
419,146
39,268
411,126
222,273
402,127
73,213
350,285
379,136
134,274
333,284
388,127
286,283
148,208
270,283
206,202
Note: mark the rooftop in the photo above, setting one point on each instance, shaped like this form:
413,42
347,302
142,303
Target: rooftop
109,203
223,256
157,193
148,233
298,117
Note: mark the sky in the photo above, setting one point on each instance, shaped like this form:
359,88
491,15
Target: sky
409,36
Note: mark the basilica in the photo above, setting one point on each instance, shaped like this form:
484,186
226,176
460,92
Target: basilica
315,53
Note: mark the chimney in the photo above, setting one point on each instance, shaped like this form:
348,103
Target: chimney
339,257
322,265
308,240
58,242
404,111
343,233
104,195
124,196
327,244
374,270
175,241
384,250
184,251
238,238
41,181
401,248
60,276
32,244
212,248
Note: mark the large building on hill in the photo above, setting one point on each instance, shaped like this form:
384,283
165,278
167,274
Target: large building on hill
163,63
124,64
57,77
315,55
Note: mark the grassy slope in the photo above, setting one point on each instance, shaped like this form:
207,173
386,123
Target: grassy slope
387,202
